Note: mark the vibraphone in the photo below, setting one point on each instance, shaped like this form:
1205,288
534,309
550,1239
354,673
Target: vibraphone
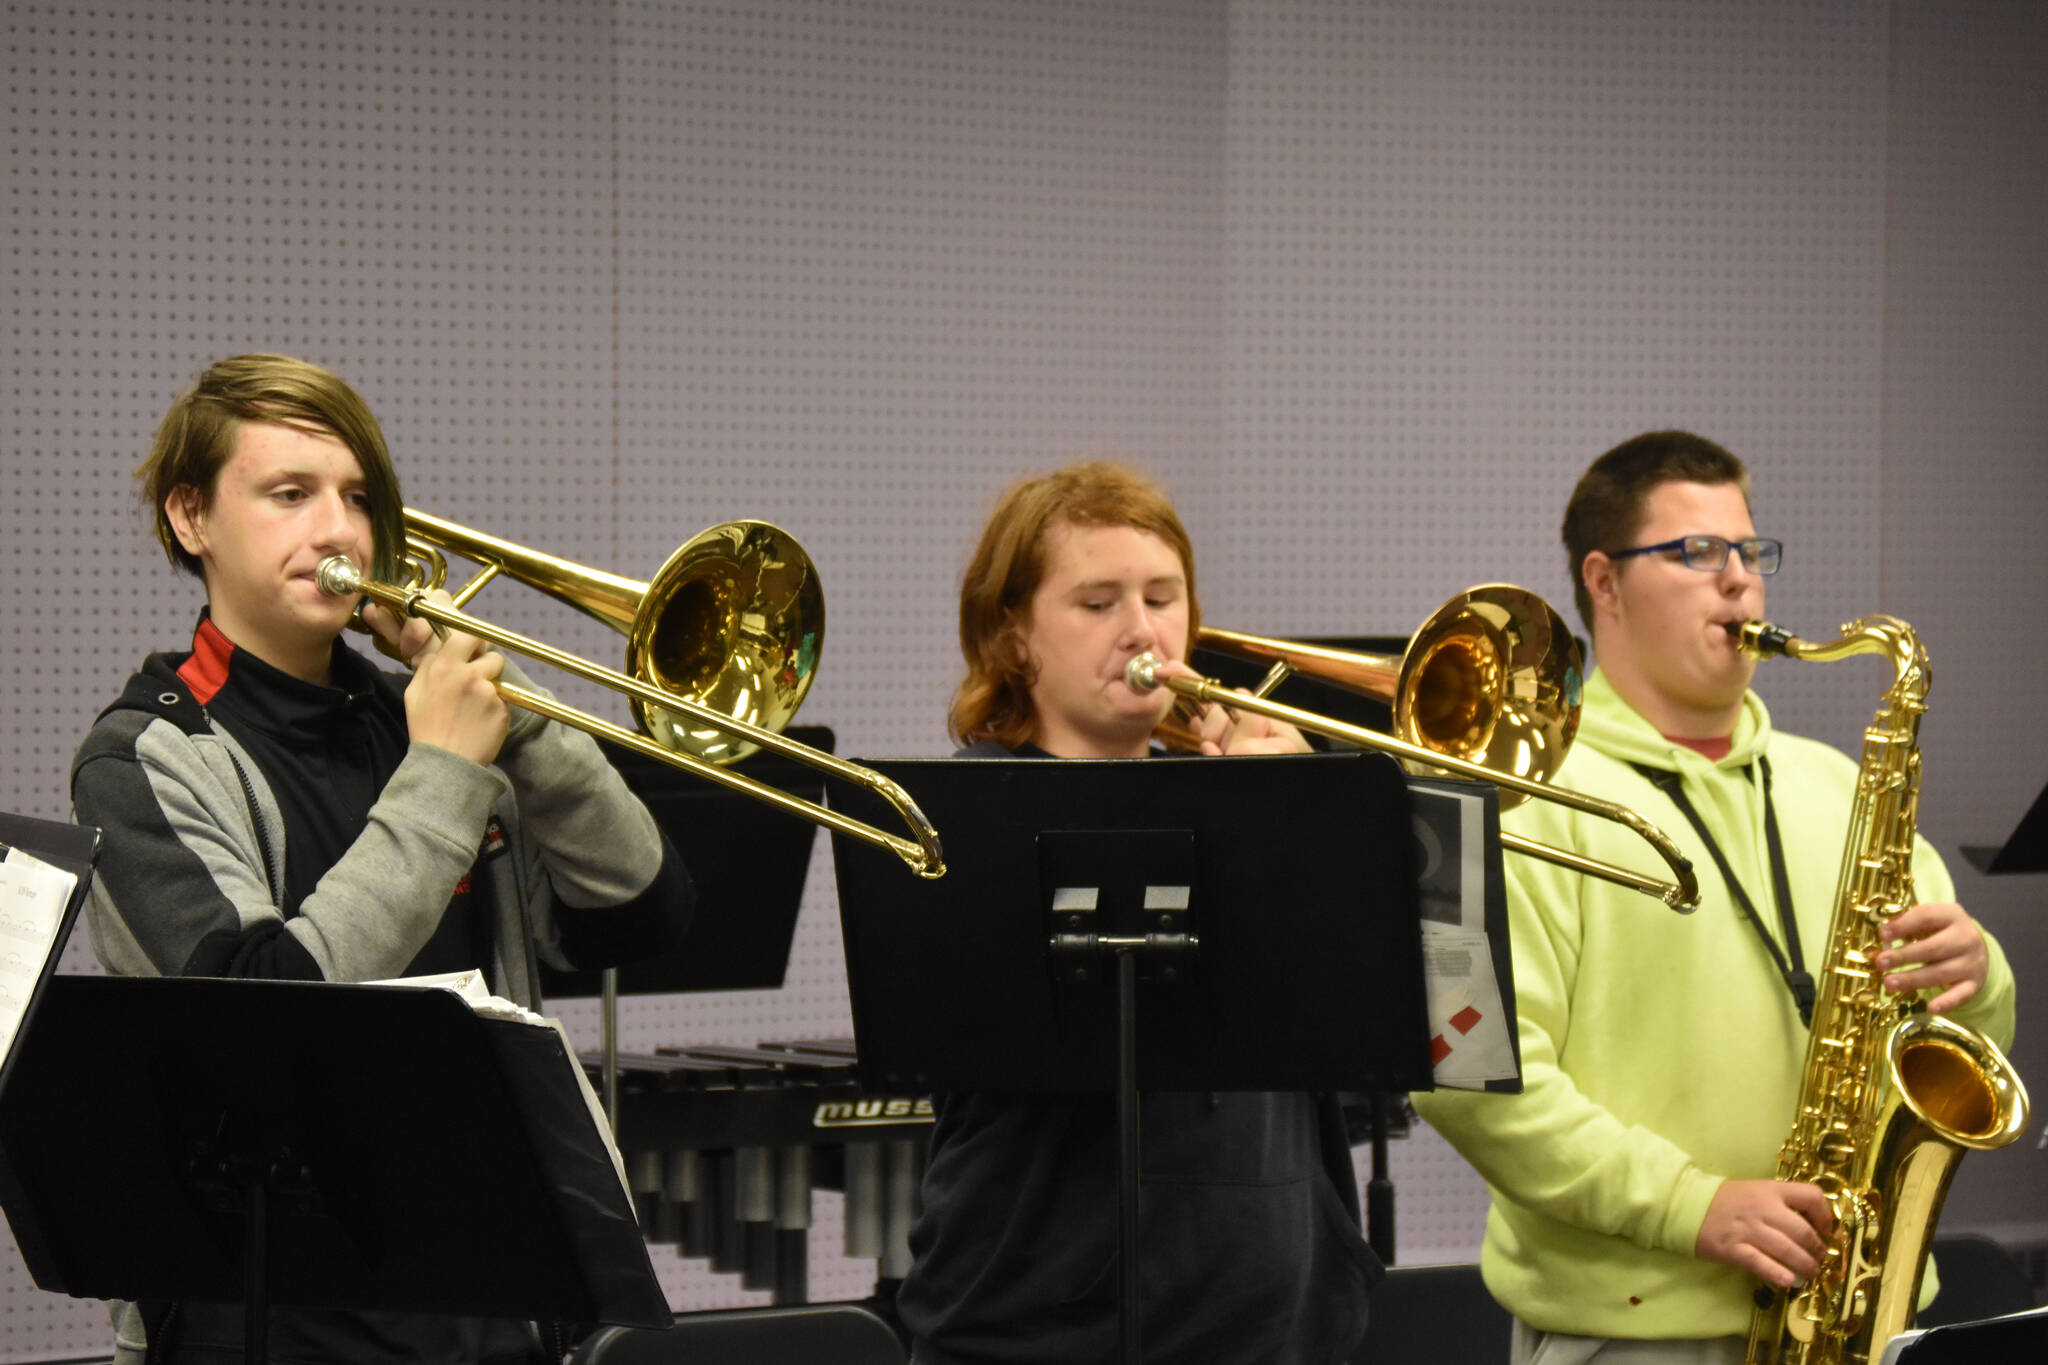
724,1146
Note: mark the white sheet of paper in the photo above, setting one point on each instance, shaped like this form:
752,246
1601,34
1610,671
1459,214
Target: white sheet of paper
471,986
1468,1024
32,899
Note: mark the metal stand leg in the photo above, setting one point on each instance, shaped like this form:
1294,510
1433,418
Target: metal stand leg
1129,1173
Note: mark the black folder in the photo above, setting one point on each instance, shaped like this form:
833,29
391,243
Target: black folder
70,848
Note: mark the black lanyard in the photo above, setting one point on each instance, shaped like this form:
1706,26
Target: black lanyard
1793,970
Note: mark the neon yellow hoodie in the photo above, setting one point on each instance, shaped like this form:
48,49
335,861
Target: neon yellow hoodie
1661,1053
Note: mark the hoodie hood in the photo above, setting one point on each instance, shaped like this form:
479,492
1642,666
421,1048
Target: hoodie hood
160,690
1615,728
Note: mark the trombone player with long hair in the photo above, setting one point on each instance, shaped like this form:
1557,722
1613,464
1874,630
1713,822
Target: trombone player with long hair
275,806
1250,1235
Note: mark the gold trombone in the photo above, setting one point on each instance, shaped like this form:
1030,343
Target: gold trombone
1488,689
721,646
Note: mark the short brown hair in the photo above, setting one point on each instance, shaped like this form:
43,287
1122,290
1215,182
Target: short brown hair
995,597
197,438
1607,508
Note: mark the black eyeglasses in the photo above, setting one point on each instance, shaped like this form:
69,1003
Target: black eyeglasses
1709,554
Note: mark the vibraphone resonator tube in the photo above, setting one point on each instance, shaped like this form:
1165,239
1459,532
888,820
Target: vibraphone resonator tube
725,1145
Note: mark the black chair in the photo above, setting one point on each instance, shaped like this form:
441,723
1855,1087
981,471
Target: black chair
1979,1279
1438,1315
816,1333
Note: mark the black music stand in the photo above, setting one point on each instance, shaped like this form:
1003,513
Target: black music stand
739,936
319,1145
1460,885
2025,851
1126,925
2017,1336
1384,1114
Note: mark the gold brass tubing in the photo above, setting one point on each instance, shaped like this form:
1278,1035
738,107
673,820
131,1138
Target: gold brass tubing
1682,893
340,576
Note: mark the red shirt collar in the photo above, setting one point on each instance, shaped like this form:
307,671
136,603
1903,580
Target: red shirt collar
1715,749
206,672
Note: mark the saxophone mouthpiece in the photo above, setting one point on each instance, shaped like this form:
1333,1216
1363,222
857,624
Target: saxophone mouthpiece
1759,639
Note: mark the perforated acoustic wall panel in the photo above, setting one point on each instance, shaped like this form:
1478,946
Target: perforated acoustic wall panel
1964,558
1366,285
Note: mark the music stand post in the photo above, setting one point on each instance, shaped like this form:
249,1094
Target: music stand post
1379,1190
287,1142
1076,866
1121,926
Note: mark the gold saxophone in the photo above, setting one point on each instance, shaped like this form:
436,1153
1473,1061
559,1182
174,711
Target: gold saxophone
1891,1095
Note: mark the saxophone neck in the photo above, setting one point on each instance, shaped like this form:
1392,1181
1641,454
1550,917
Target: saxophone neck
1886,635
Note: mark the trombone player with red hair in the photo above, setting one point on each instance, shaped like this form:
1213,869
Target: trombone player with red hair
1250,1230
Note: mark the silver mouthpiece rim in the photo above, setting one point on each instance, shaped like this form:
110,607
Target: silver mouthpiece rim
1142,673
338,576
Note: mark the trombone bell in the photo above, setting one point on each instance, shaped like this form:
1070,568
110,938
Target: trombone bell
1493,677
1488,690
734,621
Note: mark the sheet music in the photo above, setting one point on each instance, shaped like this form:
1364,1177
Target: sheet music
471,986
33,895
1468,1024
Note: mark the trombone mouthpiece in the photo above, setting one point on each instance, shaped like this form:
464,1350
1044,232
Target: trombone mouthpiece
1141,673
338,576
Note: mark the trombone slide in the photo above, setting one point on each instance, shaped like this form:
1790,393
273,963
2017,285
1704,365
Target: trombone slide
1682,893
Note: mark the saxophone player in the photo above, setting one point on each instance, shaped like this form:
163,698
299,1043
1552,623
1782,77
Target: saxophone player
1634,1204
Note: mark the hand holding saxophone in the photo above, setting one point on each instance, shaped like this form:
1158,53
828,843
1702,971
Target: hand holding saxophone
1774,1229
452,701
1939,945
